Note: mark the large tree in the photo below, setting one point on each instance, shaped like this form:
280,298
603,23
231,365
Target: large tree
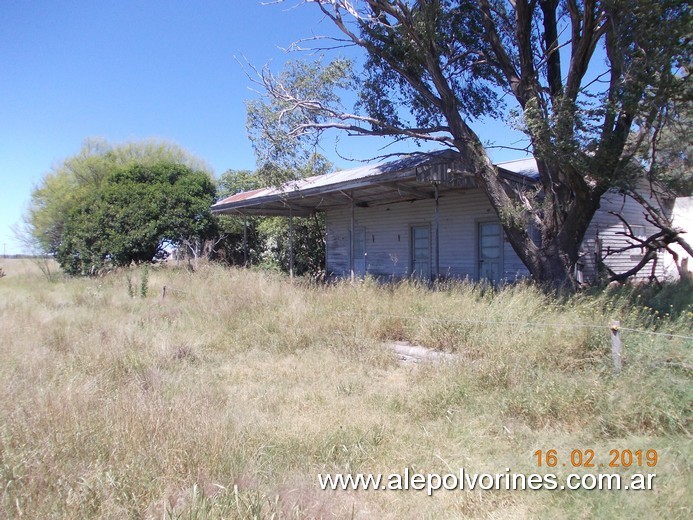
580,77
79,176
115,205
135,214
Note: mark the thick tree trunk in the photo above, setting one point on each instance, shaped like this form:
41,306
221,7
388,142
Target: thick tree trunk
551,264
553,261
554,266
556,270
562,221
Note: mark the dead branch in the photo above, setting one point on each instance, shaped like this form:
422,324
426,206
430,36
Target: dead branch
659,241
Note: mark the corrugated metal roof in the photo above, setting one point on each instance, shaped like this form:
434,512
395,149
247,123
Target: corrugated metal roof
308,192
526,167
335,178
244,195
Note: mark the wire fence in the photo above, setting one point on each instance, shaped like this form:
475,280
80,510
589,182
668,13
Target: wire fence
168,290
614,328
652,333
519,323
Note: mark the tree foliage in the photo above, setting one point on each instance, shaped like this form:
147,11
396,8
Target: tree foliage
266,241
667,151
118,205
134,215
78,176
308,244
242,242
580,76
275,127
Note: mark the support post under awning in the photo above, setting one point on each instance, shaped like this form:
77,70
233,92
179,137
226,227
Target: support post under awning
437,234
245,242
291,244
351,239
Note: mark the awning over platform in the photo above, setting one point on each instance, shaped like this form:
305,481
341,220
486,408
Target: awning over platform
413,177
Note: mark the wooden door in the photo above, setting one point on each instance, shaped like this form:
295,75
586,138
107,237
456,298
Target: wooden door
360,252
490,251
421,252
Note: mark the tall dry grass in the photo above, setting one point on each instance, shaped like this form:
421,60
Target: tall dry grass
228,397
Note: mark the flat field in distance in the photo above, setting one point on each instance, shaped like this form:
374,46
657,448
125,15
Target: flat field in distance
228,397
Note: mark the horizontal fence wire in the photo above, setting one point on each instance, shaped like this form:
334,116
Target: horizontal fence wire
167,290
515,323
667,334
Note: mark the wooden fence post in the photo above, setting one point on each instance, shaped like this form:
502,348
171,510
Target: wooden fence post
616,346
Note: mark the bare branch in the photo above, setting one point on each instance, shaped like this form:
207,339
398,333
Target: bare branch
501,55
620,277
659,241
385,130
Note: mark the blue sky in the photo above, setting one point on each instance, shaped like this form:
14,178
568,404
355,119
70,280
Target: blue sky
131,70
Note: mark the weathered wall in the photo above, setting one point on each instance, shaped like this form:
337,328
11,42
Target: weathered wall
682,217
607,227
388,231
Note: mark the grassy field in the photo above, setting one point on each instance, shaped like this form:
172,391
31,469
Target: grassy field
227,398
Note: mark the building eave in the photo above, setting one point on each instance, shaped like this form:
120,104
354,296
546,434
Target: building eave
380,184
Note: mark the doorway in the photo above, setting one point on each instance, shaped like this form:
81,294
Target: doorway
490,252
360,252
421,252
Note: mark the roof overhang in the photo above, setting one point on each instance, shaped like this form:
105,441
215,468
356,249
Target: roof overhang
414,177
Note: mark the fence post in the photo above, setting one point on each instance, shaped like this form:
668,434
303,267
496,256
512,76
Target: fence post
616,345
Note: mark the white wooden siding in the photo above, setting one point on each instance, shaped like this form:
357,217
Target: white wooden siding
607,227
388,235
